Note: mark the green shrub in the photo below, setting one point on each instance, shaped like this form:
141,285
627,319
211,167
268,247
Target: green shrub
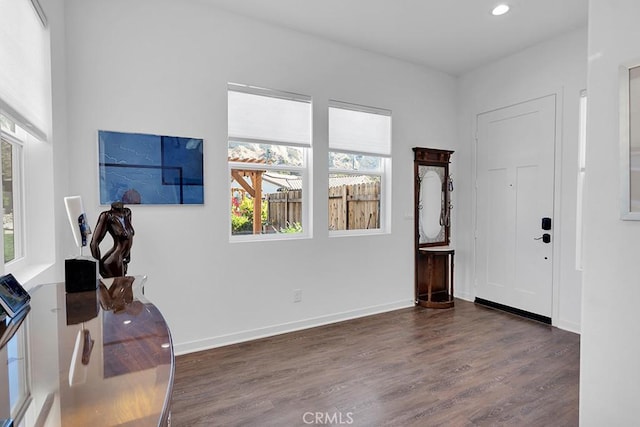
242,215
295,227
240,224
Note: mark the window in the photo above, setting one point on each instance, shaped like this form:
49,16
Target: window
12,137
268,149
359,168
25,109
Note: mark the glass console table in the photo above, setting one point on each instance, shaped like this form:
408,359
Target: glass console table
97,358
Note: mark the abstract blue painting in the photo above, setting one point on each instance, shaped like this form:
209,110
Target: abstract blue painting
138,168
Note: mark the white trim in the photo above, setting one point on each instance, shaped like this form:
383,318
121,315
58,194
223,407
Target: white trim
244,140
40,12
357,107
253,334
273,93
625,186
367,172
245,238
18,193
363,153
581,178
358,232
19,202
557,223
464,295
568,326
265,167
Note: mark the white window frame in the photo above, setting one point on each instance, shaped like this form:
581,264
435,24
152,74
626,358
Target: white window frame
16,139
384,172
303,169
582,173
18,365
17,346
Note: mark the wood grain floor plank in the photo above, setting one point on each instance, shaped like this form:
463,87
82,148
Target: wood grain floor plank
467,366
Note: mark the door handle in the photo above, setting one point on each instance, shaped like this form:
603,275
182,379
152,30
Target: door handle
546,238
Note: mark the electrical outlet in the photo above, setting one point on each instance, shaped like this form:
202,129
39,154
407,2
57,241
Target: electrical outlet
297,295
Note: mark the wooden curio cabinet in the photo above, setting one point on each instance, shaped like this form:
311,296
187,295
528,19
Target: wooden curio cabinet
434,258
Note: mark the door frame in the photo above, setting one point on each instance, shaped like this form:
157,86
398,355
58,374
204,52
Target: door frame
557,187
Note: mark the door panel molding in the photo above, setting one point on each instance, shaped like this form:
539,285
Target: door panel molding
506,220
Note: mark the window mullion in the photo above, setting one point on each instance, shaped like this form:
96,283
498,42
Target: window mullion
268,142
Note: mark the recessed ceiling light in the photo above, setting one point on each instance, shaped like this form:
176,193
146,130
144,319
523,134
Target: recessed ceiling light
500,9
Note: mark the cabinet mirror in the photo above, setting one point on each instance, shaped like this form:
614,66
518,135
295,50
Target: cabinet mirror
432,212
432,203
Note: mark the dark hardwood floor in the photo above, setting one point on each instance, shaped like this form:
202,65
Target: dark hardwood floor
466,366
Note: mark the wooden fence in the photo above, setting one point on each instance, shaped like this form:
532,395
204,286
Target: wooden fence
351,207
285,209
354,207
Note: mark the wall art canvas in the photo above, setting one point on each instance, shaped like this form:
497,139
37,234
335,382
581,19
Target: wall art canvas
139,168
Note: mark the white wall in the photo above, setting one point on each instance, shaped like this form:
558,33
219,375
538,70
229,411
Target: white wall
557,67
125,62
610,349
162,67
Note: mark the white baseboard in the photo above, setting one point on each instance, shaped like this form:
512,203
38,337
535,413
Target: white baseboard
465,296
568,326
219,341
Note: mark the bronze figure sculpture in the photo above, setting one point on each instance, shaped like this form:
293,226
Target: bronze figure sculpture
116,222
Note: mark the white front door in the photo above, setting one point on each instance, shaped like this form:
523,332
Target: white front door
515,190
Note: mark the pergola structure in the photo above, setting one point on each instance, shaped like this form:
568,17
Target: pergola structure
254,189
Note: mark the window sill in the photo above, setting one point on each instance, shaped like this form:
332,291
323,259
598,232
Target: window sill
357,233
268,237
28,273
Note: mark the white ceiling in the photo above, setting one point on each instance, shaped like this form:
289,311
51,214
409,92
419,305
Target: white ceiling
453,36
